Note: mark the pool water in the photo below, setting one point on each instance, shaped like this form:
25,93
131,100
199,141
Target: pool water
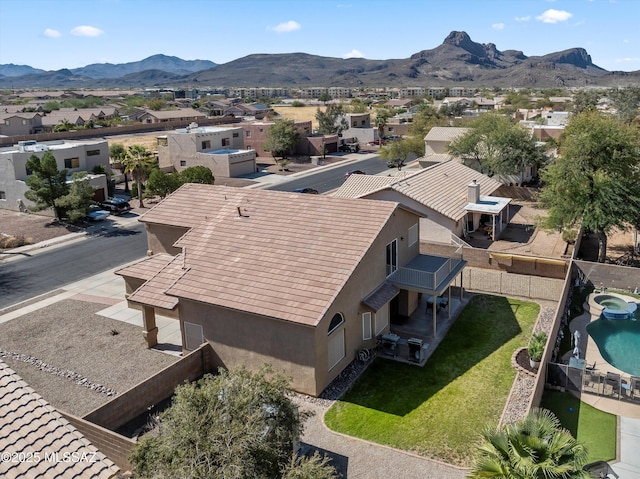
619,342
613,303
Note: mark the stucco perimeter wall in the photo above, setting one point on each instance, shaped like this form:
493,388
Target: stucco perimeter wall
519,264
608,275
130,404
113,445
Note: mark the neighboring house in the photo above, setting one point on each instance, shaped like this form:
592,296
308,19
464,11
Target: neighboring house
436,146
302,282
360,128
219,149
13,124
37,441
163,116
447,195
57,118
73,155
255,135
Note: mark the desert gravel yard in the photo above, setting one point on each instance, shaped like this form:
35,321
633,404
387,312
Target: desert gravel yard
70,337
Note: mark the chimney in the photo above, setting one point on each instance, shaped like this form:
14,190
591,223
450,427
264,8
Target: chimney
473,192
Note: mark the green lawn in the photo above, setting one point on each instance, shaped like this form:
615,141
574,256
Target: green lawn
594,428
438,410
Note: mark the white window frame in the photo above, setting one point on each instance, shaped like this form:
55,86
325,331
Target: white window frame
392,257
366,326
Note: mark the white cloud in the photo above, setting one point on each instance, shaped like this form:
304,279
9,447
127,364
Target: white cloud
51,33
554,16
523,19
86,31
353,54
289,26
627,60
498,26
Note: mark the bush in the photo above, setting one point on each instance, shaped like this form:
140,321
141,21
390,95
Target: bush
536,346
569,236
9,242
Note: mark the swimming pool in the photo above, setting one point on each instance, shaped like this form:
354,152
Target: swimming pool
618,342
612,305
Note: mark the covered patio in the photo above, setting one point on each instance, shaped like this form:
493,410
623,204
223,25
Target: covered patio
431,276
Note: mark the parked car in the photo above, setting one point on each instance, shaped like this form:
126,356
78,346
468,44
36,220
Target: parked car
117,206
397,163
97,214
309,191
354,172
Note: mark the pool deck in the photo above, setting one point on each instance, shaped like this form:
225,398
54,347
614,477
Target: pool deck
627,463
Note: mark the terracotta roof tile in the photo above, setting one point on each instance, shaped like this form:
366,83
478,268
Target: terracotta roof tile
145,268
152,292
28,424
271,253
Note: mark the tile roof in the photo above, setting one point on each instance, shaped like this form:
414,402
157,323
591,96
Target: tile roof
152,292
178,113
357,186
441,187
272,253
381,296
445,133
146,268
32,427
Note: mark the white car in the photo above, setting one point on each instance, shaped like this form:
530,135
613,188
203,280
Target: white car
96,214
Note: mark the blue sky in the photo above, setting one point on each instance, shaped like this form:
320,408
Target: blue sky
55,34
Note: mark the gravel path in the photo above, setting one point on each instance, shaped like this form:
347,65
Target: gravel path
79,349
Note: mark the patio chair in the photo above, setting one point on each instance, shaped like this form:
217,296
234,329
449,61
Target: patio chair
591,381
634,387
612,384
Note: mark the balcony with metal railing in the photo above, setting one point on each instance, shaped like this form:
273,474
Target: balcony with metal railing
428,273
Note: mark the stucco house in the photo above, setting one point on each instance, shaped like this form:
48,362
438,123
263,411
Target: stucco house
17,123
219,149
75,156
303,282
452,199
163,116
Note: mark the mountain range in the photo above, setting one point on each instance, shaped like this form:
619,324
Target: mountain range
458,61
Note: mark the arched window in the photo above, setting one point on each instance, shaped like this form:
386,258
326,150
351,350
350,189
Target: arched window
336,321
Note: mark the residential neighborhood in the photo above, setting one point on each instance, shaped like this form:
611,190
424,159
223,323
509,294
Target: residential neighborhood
423,273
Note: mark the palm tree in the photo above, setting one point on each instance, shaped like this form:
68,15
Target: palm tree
534,448
138,161
118,153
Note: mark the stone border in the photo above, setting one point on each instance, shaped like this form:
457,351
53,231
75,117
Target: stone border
517,367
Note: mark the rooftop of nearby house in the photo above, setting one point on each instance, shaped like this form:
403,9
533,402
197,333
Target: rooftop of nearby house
178,113
30,426
271,253
445,133
441,187
34,146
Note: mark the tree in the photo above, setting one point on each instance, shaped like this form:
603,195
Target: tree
157,104
162,183
626,101
536,447
585,100
46,183
595,181
63,125
324,98
197,174
74,205
496,145
118,154
382,117
282,138
237,424
402,149
331,121
138,161
314,467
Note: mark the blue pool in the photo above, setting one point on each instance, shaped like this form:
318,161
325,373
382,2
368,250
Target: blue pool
619,342
614,307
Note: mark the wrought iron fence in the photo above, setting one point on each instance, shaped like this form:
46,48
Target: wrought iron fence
592,381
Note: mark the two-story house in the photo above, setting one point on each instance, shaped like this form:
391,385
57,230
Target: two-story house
219,149
75,156
302,282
